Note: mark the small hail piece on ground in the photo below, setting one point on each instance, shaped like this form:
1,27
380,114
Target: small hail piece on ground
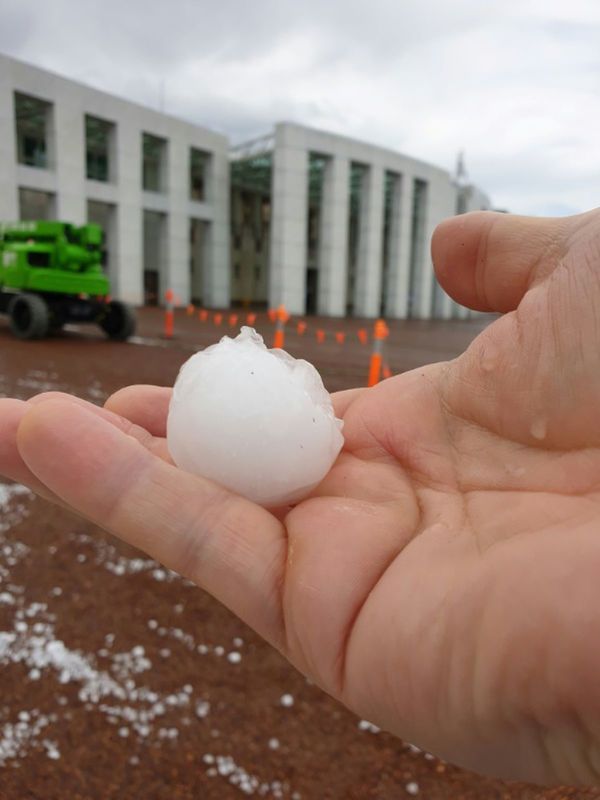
257,421
365,725
286,700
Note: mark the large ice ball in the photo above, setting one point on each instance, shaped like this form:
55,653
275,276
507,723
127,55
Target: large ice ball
256,421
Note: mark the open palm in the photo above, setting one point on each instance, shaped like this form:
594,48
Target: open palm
443,581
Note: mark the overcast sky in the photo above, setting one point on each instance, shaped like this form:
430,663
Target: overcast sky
515,84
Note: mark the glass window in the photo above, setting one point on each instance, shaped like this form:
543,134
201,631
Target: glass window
154,163
98,133
31,120
34,205
418,246
199,168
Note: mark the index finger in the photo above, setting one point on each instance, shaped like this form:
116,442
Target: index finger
148,406
144,405
232,548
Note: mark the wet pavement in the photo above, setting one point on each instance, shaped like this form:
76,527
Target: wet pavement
122,680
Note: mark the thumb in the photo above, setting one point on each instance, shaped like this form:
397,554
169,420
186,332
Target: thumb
487,260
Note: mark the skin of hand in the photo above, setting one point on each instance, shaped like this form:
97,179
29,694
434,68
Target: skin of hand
444,579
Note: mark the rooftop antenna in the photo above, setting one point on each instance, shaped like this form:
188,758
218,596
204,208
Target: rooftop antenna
461,176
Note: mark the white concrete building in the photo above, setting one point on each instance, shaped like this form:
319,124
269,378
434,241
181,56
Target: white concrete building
374,216
322,223
158,185
421,196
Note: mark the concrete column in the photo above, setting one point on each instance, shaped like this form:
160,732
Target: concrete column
9,200
177,272
128,283
333,238
440,199
178,254
398,274
217,265
68,137
287,263
367,286
424,302
447,307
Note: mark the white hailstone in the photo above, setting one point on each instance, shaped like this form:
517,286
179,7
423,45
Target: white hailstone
412,788
286,700
256,421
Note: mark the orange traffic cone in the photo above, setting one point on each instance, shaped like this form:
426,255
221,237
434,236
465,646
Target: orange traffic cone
282,318
169,313
380,334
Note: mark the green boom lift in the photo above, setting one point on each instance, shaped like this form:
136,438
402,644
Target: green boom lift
50,274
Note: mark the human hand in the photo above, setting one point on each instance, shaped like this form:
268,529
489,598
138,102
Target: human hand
442,580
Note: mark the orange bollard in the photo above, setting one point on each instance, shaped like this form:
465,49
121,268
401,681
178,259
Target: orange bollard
169,314
203,315
233,318
363,336
218,318
301,327
272,312
250,318
380,334
282,318
190,309
320,336
340,337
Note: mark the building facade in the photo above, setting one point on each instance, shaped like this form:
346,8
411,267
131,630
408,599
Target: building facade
330,225
158,186
319,222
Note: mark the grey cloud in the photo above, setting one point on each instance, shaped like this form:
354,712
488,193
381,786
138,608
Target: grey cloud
513,82
15,28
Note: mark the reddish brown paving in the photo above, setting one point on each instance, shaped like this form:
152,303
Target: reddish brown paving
321,753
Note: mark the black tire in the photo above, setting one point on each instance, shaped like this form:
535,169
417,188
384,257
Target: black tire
117,321
56,321
29,316
56,326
